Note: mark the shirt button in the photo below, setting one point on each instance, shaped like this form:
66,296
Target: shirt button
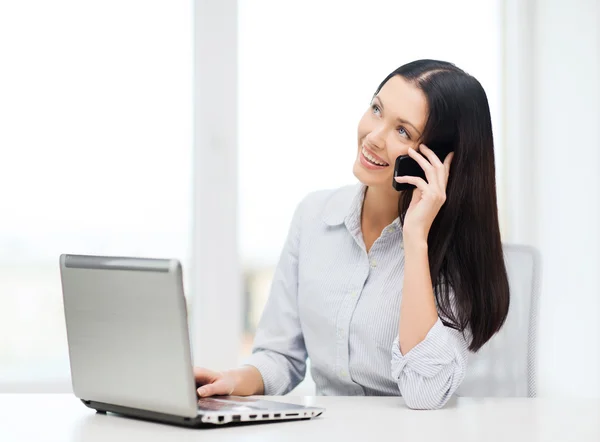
354,294
373,263
341,332
343,373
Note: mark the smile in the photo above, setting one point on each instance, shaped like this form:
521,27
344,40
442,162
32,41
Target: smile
375,161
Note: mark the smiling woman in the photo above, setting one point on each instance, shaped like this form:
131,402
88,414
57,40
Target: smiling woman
448,106
387,292
302,93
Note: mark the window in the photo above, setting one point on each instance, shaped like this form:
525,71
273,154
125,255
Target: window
96,144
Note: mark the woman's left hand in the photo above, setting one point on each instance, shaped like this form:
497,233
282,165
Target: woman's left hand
429,196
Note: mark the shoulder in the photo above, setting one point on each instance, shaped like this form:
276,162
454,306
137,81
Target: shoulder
329,205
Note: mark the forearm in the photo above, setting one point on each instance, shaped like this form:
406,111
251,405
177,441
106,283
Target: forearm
418,312
247,380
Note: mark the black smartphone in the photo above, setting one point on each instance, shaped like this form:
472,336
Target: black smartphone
407,166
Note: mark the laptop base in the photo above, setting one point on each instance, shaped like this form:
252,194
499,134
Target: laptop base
136,413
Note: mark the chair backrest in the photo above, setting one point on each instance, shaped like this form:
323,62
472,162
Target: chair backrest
505,365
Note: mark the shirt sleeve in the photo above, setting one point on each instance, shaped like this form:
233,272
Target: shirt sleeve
279,352
431,371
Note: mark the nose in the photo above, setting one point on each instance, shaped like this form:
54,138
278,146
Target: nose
376,138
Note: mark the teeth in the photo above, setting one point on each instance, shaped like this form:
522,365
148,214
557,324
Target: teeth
371,159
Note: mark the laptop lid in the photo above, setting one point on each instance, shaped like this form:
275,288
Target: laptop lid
127,332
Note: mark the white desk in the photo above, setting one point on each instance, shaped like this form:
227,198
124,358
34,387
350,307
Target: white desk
63,418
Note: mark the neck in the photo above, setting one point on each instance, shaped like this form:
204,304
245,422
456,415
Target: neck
380,207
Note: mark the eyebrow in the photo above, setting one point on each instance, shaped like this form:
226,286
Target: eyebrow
401,120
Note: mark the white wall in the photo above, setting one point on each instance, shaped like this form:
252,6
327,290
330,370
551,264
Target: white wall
567,144
558,142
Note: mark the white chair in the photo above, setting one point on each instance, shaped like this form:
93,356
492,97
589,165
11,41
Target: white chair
505,365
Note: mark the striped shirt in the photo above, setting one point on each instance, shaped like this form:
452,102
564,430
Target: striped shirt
339,305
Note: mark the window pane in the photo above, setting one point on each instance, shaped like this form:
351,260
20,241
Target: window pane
97,111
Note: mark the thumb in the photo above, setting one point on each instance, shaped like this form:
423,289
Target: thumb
416,197
219,387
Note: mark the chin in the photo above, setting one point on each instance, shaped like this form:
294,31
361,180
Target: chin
371,179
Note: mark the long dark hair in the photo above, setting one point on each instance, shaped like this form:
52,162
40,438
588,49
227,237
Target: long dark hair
465,249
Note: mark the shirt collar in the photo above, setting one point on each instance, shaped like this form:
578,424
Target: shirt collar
345,206
342,203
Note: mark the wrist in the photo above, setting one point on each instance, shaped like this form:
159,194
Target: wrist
415,240
234,377
247,381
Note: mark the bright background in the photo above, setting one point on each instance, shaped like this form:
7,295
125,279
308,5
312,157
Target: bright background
96,139
103,152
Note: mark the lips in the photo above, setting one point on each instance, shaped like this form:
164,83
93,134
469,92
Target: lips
372,157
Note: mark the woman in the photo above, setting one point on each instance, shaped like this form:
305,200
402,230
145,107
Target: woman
386,292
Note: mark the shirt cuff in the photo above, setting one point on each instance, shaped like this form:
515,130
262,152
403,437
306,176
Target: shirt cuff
426,358
270,370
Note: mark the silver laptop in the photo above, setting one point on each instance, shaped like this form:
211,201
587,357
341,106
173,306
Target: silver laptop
129,345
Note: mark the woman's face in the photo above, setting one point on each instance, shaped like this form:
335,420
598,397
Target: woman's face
393,122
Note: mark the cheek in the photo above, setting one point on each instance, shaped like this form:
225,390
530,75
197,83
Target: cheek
396,148
364,127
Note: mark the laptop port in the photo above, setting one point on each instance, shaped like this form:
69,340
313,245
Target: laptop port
221,418
291,414
277,415
252,416
265,416
235,418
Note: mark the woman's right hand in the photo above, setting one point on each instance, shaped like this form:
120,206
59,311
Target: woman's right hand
214,383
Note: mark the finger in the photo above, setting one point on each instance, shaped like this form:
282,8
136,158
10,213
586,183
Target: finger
206,390
431,156
447,163
416,196
439,167
416,181
205,376
220,387
425,165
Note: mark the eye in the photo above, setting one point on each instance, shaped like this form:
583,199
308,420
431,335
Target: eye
376,109
403,132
